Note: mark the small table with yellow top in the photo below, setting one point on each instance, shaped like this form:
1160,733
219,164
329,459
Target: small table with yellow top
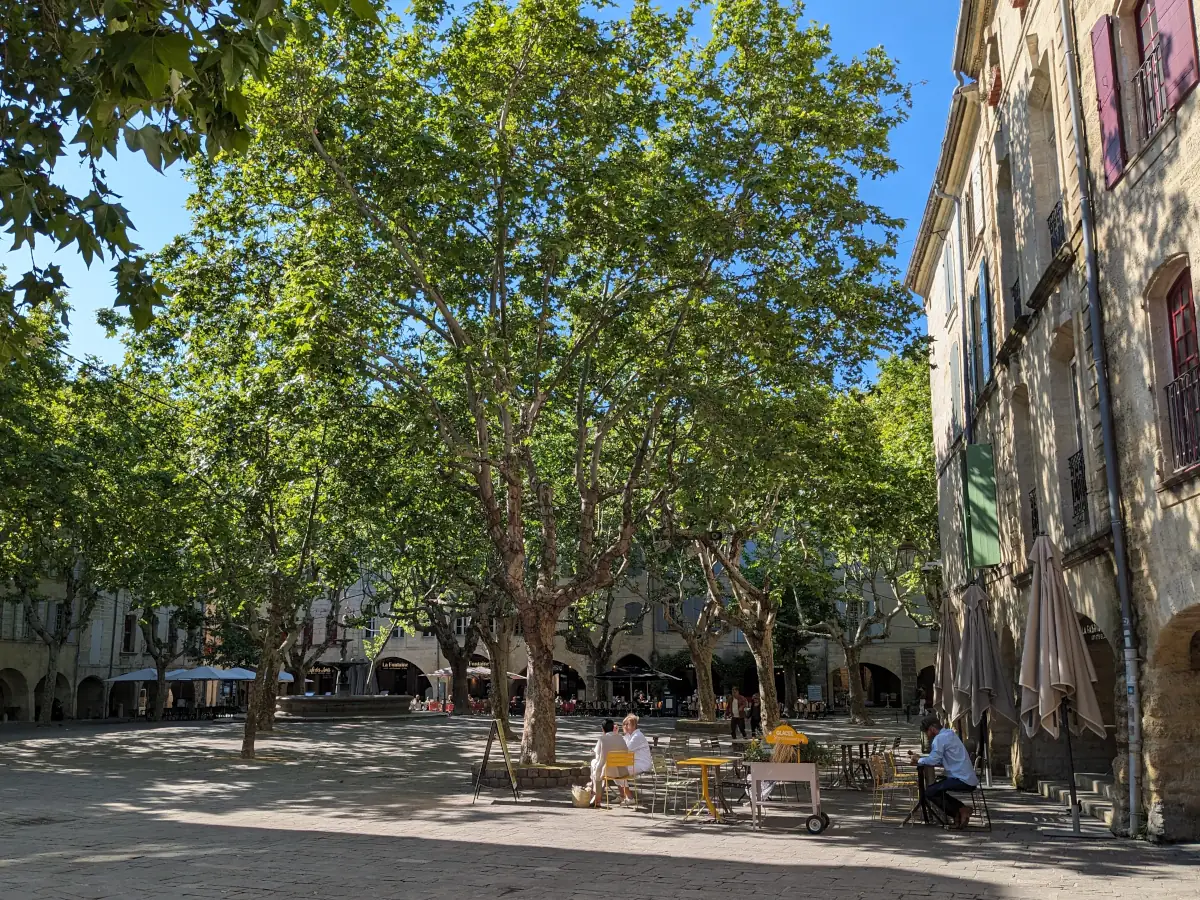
704,763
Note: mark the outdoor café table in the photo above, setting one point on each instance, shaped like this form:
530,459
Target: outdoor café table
930,814
853,766
704,763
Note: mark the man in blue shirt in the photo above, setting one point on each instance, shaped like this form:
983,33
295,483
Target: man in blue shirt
947,751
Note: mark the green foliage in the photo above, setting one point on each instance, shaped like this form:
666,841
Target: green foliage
165,78
677,663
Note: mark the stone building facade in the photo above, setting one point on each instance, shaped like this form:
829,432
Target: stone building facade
111,644
896,668
1000,261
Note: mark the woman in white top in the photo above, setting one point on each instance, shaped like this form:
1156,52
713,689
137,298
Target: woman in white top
636,741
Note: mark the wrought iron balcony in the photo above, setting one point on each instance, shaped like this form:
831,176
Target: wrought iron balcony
1183,412
1058,228
1079,506
1018,306
1035,519
1150,93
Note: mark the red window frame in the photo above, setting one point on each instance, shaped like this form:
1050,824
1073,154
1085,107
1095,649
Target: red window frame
1181,317
1146,17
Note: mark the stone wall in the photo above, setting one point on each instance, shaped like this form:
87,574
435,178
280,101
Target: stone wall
533,778
344,706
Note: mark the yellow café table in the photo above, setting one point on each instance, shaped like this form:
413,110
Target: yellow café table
704,763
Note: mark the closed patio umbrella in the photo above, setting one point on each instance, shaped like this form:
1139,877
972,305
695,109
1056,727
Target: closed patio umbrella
1057,676
981,691
947,661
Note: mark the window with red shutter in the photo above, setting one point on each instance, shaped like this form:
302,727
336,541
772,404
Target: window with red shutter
1176,35
1181,316
1108,97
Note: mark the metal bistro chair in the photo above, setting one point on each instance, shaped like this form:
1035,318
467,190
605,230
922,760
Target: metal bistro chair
679,743
977,800
618,767
674,783
885,786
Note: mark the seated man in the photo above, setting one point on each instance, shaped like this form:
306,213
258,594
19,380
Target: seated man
609,741
947,751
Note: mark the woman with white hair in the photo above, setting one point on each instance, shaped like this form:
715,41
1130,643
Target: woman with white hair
636,741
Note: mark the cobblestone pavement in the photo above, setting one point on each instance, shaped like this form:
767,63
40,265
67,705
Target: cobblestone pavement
383,809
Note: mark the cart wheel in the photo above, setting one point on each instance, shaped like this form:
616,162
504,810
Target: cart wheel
814,824
825,819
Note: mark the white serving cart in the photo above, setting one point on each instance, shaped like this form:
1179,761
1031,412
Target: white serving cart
788,773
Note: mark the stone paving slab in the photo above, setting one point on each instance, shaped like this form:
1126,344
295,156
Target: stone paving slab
383,810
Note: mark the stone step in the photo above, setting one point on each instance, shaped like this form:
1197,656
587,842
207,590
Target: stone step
1094,795
1095,783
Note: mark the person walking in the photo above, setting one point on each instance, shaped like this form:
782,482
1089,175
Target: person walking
755,715
737,714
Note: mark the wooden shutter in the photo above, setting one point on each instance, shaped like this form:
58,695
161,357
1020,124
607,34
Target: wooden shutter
985,326
977,197
983,527
955,391
1177,37
1108,97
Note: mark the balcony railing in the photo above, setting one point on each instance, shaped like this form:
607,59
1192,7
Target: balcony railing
1018,305
1183,411
1150,93
1035,519
1058,228
1079,506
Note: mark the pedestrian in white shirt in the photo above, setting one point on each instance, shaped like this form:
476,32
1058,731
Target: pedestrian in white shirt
947,751
737,714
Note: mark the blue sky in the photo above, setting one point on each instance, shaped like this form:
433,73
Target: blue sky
918,35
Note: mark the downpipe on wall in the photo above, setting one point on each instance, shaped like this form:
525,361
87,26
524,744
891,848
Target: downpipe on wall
1107,431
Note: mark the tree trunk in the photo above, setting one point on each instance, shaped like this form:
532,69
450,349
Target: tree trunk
459,691
300,685
268,666
702,660
537,738
50,689
858,705
499,646
791,694
266,709
763,650
589,680
160,688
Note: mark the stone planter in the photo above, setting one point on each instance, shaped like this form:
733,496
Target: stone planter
695,726
533,778
344,706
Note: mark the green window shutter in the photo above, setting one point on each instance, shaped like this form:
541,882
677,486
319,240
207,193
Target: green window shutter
983,528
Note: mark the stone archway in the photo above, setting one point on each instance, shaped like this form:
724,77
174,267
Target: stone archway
123,699
1171,729
14,696
396,675
925,684
881,686
89,699
61,698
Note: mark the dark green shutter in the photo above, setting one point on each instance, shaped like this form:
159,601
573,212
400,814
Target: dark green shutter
983,528
985,326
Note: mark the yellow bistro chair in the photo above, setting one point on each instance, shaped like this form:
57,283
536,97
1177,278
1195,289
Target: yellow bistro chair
618,767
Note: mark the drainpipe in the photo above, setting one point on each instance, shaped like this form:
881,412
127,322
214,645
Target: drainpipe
1107,432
